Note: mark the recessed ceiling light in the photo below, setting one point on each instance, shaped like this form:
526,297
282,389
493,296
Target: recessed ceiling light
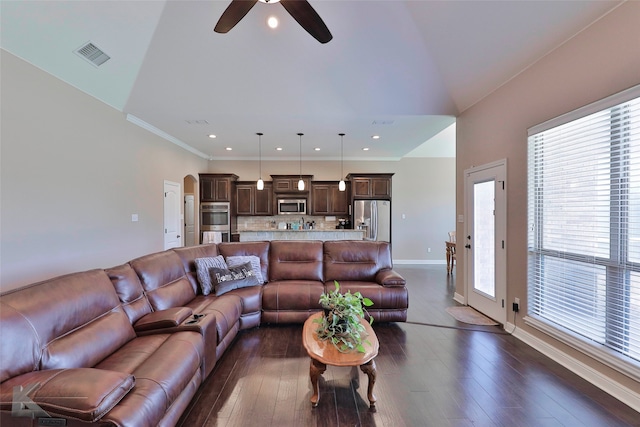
228,148
279,149
365,149
375,136
317,149
212,136
272,22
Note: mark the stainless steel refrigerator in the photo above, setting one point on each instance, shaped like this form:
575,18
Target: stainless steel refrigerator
373,216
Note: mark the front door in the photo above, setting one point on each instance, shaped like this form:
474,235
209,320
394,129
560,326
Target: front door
484,242
172,221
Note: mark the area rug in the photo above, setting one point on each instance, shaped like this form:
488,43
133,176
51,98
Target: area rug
470,315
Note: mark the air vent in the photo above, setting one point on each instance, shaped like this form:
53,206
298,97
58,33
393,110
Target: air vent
92,53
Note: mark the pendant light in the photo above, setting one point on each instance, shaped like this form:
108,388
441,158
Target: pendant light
301,182
341,186
260,183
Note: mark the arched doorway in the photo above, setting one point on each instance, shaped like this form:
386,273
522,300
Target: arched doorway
190,210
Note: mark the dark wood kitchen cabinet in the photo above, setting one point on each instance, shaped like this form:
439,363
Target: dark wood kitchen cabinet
371,186
327,199
216,187
251,201
289,183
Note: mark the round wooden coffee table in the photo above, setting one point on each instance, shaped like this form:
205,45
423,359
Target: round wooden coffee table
323,353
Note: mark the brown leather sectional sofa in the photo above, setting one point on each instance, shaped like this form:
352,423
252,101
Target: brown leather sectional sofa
130,345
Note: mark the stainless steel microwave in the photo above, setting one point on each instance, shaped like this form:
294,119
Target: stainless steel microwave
292,206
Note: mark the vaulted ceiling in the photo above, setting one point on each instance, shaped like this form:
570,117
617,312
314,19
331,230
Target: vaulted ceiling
398,69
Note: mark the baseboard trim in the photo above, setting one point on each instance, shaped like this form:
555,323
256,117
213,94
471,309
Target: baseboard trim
459,298
614,388
420,261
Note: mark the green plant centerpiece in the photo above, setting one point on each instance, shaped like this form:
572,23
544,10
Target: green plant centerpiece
341,321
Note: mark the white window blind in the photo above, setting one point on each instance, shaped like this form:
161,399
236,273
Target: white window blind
584,225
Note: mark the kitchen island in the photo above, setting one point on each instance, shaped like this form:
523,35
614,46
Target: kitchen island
276,234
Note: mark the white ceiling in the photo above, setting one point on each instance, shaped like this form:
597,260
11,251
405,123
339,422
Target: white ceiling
399,69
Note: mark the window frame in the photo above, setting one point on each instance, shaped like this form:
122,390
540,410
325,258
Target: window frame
618,249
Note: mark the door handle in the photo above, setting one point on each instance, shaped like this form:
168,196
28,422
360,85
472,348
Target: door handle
178,236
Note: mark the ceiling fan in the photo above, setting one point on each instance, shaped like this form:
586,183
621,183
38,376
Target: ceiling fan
300,10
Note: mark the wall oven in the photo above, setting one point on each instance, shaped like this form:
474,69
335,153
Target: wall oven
292,206
215,217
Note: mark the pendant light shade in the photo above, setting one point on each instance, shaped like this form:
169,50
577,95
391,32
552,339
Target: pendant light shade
300,182
260,183
342,185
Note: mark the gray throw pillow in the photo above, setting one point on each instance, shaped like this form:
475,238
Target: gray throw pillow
202,271
225,280
233,261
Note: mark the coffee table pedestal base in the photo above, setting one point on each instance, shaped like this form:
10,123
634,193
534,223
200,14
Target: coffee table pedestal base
316,369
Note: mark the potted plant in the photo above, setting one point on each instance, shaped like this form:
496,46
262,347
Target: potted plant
341,321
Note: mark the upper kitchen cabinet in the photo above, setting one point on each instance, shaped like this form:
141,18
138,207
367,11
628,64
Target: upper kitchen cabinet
251,201
327,199
370,186
216,187
289,183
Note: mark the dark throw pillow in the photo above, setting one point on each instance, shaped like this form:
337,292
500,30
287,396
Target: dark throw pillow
236,260
225,280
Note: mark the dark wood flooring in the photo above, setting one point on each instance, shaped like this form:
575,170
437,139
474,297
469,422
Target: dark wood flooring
427,376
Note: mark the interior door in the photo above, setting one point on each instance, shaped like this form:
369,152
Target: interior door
172,221
484,241
189,220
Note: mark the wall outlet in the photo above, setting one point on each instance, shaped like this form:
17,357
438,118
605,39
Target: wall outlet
516,305
428,249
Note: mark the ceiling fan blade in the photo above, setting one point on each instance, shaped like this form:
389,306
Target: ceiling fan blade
233,14
308,19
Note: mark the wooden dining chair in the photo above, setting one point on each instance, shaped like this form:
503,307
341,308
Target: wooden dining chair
451,251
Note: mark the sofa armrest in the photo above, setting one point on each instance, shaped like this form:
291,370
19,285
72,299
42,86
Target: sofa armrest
79,393
162,319
390,278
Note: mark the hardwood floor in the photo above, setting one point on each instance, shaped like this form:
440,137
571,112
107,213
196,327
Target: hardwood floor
427,376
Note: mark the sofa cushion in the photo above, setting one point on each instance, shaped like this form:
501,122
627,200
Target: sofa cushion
188,256
295,260
130,291
163,365
203,271
82,393
70,321
228,279
234,261
358,260
292,295
164,279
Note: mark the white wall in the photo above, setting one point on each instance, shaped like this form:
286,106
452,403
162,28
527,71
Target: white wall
72,171
600,61
422,188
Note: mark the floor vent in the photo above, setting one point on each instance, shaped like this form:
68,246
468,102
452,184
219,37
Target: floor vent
92,53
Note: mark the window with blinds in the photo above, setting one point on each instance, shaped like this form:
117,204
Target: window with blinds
584,228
